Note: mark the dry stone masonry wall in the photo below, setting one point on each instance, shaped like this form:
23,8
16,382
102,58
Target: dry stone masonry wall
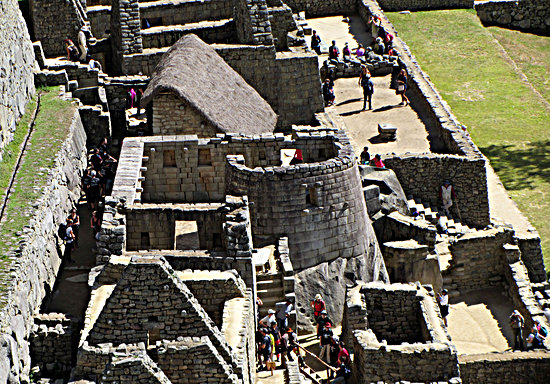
55,21
527,15
33,267
16,69
417,5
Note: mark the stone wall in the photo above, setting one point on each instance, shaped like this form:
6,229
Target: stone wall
138,368
55,21
397,227
125,31
183,12
417,5
282,22
174,116
525,15
34,265
531,255
518,367
53,339
197,171
422,175
478,260
16,61
193,360
252,20
314,8
318,205
210,32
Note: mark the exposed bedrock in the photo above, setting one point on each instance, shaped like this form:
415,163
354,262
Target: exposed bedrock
330,279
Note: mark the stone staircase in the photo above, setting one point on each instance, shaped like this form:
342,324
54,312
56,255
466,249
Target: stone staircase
270,290
429,213
310,375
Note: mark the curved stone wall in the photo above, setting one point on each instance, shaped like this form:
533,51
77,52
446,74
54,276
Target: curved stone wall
16,64
319,206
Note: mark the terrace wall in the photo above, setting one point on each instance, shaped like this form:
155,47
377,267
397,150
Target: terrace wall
525,15
16,62
30,270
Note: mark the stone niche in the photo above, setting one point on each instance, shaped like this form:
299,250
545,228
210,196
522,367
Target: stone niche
397,334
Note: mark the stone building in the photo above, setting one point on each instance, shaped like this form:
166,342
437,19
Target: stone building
194,91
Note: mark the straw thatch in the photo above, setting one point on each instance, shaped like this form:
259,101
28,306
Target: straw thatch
193,71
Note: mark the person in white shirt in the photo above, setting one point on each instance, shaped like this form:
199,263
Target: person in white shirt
443,300
270,318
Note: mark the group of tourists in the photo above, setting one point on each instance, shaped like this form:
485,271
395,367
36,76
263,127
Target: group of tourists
536,337
365,159
277,341
79,53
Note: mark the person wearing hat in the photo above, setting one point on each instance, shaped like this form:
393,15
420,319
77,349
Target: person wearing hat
270,318
447,193
322,320
318,306
516,322
325,339
443,301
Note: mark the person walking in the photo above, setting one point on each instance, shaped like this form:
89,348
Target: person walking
443,301
446,193
75,218
365,82
69,241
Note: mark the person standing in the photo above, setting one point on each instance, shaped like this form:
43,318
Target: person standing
328,92
283,314
318,306
368,87
82,44
333,51
75,226
325,339
69,241
446,193
402,87
516,322
443,300
316,43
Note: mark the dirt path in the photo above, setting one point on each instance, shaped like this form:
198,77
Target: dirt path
362,126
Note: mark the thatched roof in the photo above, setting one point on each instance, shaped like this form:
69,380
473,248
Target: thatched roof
193,71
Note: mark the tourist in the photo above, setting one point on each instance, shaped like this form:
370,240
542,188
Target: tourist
516,322
82,44
446,194
259,303
534,340
388,41
268,319
95,224
343,373
333,51
379,47
72,50
318,306
264,349
283,314
346,53
274,331
343,354
374,23
443,301
316,43
94,191
365,82
365,156
75,226
131,98
441,223
334,351
322,320
298,157
94,64
325,339
328,92
69,241
541,329
377,162
402,87
96,159
291,342
360,51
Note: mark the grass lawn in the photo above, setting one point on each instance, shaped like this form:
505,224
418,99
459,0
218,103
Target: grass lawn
507,120
50,130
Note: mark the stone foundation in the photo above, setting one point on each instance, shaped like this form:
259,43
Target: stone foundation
525,15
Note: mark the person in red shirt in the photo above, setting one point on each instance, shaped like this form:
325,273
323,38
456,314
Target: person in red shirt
378,162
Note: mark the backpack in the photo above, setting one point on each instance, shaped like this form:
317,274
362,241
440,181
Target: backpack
543,331
62,231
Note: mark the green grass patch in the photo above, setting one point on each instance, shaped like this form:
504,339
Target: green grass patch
505,117
50,131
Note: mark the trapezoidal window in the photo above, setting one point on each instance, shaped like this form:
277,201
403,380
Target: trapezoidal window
205,158
169,158
311,196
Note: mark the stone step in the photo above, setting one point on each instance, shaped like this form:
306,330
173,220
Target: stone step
269,284
268,276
